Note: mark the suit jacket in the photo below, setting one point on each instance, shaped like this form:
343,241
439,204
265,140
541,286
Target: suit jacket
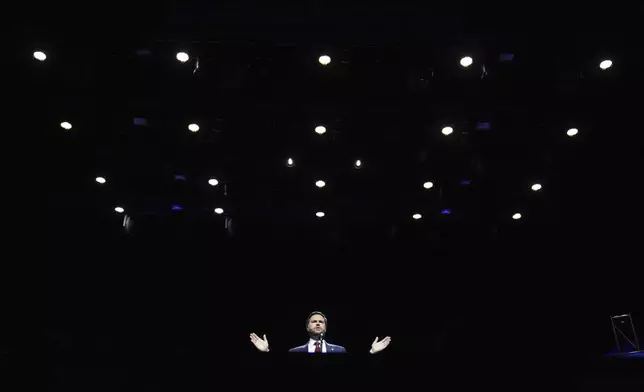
330,349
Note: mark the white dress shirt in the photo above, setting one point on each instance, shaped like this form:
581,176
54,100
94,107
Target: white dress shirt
312,346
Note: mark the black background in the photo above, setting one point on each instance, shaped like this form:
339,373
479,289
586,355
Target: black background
171,306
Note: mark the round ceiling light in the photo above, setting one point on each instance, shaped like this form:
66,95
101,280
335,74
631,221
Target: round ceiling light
447,131
40,56
466,61
183,57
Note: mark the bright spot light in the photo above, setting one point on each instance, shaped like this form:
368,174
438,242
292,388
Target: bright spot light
40,56
605,64
213,182
219,211
193,127
324,59
66,125
466,61
183,57
516,216
320,184
319,214
358,164
100,180
320,129
120,210
416,216
428,185
289,162
447,131
536,187
572,132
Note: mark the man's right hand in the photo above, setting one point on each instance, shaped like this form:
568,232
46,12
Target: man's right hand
261,344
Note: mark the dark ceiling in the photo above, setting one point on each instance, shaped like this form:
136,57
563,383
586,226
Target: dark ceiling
257,103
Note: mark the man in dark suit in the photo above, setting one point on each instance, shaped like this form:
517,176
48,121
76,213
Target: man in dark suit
316,325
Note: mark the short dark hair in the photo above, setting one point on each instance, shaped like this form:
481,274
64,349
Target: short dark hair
313,314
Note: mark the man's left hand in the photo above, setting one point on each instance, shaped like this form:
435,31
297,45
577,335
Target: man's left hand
377,346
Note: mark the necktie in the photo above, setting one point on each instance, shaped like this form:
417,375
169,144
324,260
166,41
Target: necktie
318,347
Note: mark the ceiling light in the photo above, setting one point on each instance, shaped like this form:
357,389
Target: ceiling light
219,211
320,129
324,59
358,164
193,127
120,210
483,126
447,131
506,57
100,180
320,184
416,216
319,214
428,185
289,162
213,182
572,132
38,55
183,57
66,125
605,64
536,187
466,61
516,216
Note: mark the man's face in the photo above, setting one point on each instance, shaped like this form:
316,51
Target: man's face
317,324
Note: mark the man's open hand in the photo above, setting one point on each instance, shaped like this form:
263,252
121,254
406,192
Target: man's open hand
261,344
377,346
